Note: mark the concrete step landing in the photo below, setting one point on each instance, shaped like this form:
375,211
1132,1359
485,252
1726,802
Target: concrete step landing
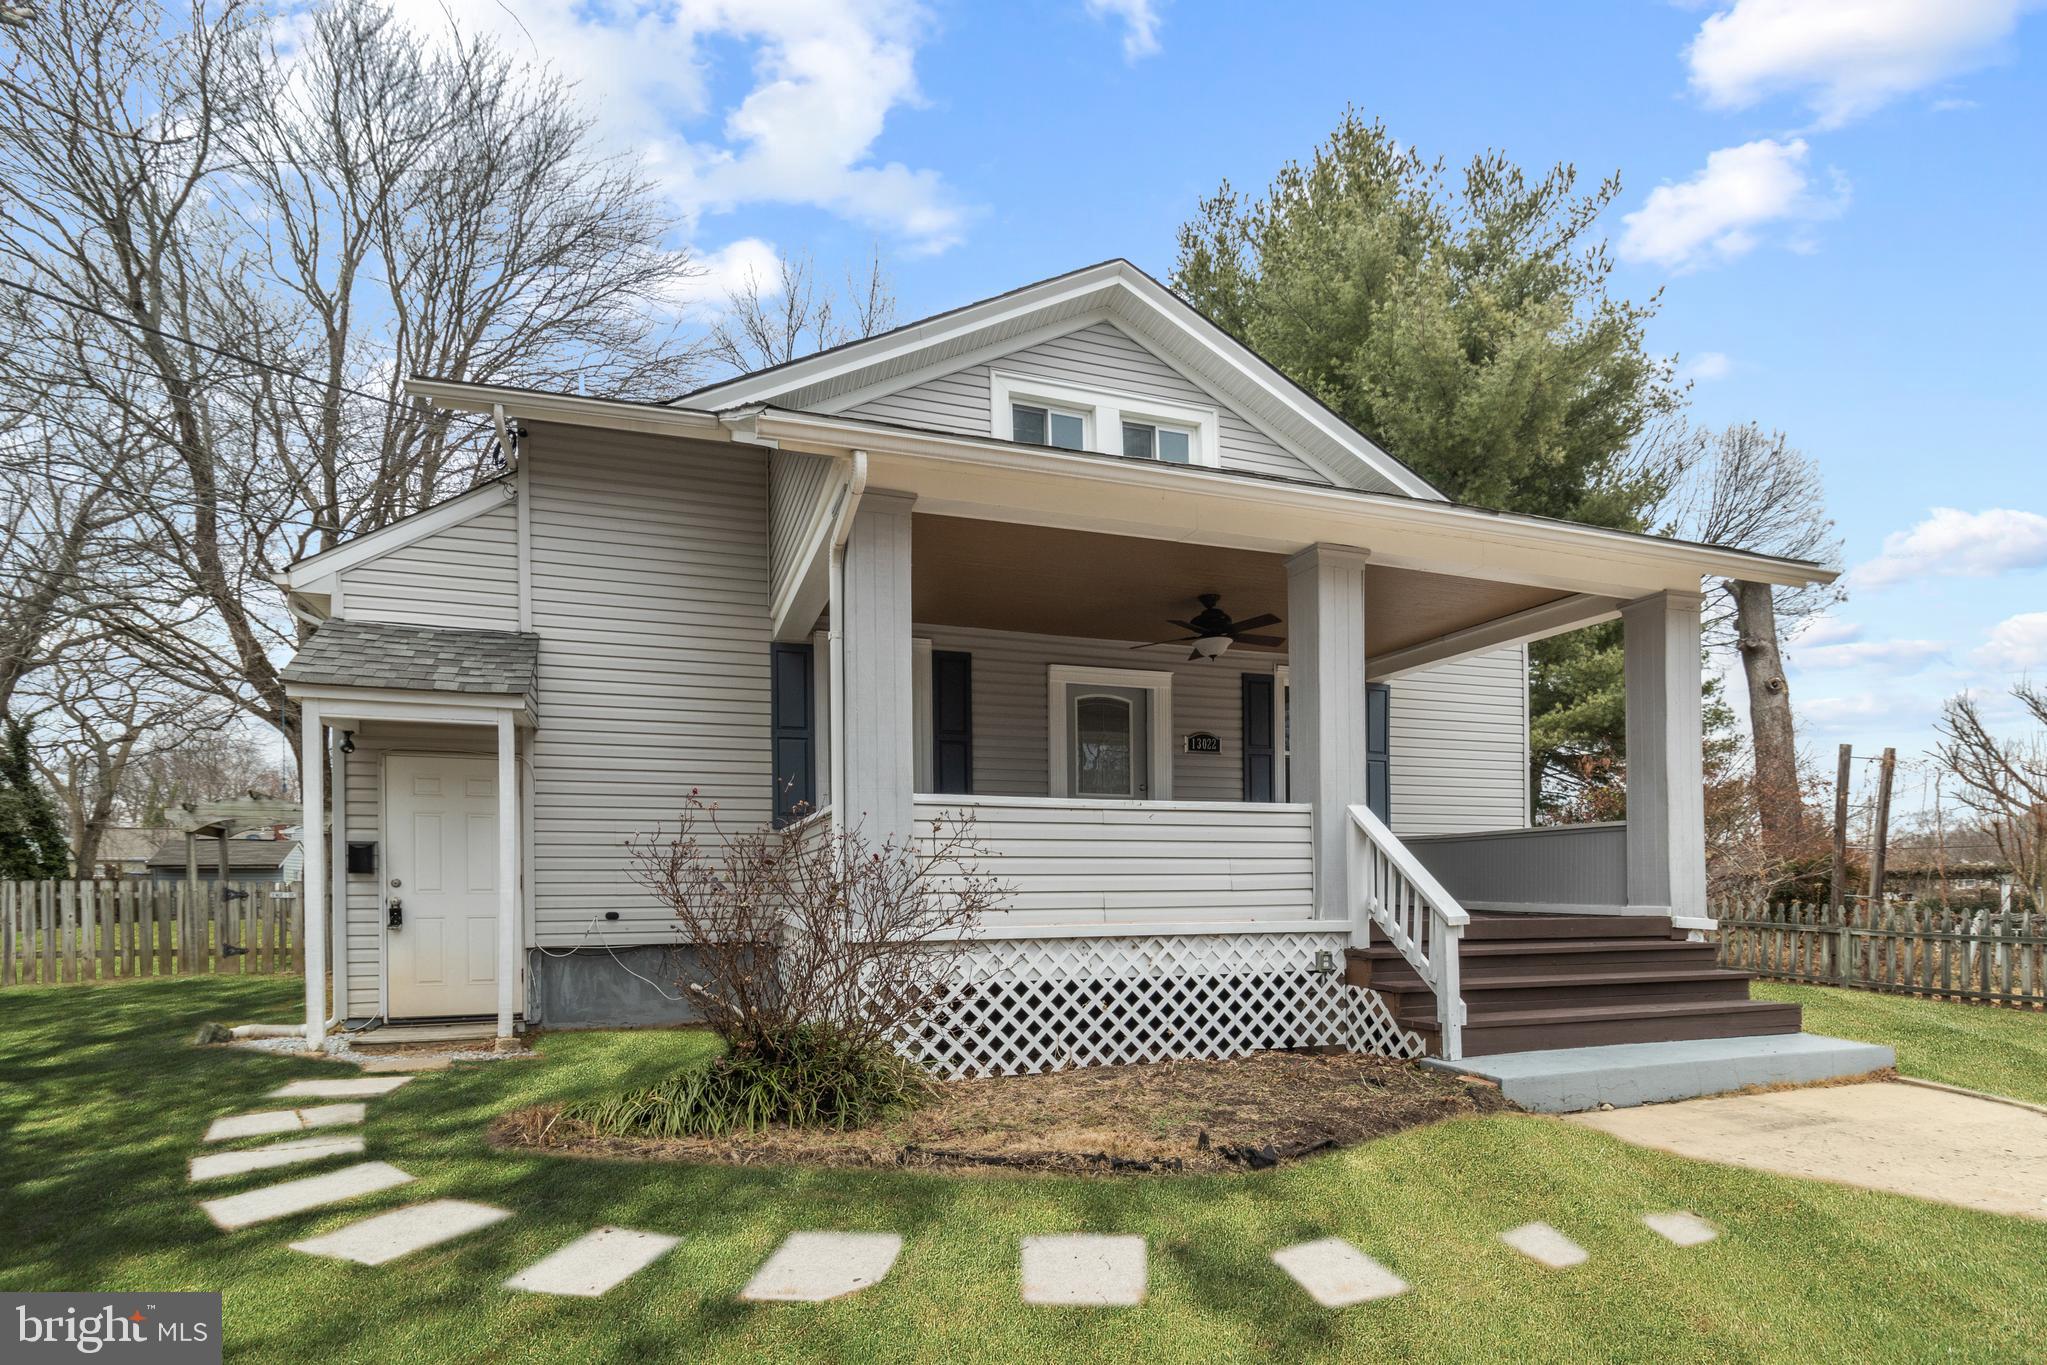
1566,1080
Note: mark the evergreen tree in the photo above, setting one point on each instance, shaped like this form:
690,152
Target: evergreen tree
32,846
1470,332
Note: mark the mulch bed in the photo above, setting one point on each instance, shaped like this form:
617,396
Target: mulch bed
1250,1113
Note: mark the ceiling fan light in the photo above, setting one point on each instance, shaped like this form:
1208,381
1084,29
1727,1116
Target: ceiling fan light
1211,646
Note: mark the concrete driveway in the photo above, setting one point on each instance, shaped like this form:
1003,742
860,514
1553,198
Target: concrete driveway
1931,1142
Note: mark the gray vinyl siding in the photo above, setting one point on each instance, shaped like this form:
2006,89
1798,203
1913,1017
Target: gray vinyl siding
1101,356
1459,745
650,595
465,576
1137,863
1012,705
796,491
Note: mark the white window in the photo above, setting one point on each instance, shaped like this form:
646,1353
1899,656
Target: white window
1034,424
1152,441
1034,411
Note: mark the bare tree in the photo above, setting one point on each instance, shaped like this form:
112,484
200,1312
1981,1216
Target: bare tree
239,256
771,322
811,927
2002,782
1757,492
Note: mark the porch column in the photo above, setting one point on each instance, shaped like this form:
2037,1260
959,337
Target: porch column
313,875
879,705
1666,775
508,874
337,872
1326,707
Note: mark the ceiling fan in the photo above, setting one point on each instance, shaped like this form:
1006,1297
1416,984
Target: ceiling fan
1214,631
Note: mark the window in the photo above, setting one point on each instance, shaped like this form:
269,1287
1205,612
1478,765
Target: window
1047,426
1149,441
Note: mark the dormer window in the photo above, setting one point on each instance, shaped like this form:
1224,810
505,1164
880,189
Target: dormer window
1150,441
1043,425
1064,415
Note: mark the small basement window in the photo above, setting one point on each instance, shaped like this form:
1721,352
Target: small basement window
1036,425
1149,441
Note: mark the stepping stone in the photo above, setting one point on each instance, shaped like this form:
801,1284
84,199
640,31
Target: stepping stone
1682,1229
222,1164
307,1192
387,1236
1541,1242
362,1087
812,1266
270,1122
1084,1269
1336,1274
594,1263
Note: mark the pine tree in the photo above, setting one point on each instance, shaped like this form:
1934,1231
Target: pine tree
32,846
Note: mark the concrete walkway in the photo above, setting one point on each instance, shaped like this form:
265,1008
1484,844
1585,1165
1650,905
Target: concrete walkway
1945,1145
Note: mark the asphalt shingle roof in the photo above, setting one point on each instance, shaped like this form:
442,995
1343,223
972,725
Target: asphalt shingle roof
417,658
267,853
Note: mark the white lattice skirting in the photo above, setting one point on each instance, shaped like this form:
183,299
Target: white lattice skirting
1046,1004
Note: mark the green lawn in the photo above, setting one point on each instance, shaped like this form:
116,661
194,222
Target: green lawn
101,1102
2003,1051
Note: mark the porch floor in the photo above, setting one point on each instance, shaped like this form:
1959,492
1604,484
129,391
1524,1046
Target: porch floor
1566,1080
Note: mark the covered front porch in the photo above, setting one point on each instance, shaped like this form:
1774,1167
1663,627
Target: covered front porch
1251,790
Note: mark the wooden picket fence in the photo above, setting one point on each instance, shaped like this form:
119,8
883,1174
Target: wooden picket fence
86,931
1997,957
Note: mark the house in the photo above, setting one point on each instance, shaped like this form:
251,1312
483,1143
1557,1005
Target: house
1238,700
123,851
262,856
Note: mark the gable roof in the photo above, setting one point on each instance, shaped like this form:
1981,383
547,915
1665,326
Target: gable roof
241,853
1116,290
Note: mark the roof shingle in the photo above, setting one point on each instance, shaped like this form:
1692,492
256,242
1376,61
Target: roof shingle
417,658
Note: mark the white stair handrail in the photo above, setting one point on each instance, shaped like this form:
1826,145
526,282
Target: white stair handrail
1405,902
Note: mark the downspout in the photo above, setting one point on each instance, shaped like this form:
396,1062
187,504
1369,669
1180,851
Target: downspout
842,530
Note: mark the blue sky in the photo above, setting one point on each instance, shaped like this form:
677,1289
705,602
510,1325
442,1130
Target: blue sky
1841,200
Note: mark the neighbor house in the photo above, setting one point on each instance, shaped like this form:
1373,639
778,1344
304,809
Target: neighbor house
1238,700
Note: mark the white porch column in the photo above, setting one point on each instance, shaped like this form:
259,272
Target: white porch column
337,875
1666,777
508,874
1326,707
313,877
880,701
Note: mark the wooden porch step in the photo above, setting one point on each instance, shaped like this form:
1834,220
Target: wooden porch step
1531,991
1497,925
1382,963
1598,1026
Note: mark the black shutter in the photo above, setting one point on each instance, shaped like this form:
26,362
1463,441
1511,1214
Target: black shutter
1260,760
952,722
1378,750
792,721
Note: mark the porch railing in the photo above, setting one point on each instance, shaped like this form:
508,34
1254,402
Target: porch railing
1417,916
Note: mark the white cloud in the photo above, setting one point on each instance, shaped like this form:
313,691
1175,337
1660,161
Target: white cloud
1140,24
1721,212
2017,642
1707,366
1823,630
825,77
1953,543
718,273
1886,656
1844,58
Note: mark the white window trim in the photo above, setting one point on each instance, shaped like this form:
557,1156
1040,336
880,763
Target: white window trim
1104,414
1159,684
921,703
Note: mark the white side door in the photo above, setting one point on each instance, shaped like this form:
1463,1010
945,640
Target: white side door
441,954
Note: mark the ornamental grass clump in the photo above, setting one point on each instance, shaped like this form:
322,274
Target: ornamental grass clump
816,957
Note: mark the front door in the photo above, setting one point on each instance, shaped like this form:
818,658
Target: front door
1108,747
441,892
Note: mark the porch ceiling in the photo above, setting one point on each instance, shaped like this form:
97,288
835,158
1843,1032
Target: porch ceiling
999,575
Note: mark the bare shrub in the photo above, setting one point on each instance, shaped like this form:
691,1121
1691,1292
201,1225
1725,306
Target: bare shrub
809,927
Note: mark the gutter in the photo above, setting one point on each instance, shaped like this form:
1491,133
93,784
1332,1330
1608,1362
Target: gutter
842,530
